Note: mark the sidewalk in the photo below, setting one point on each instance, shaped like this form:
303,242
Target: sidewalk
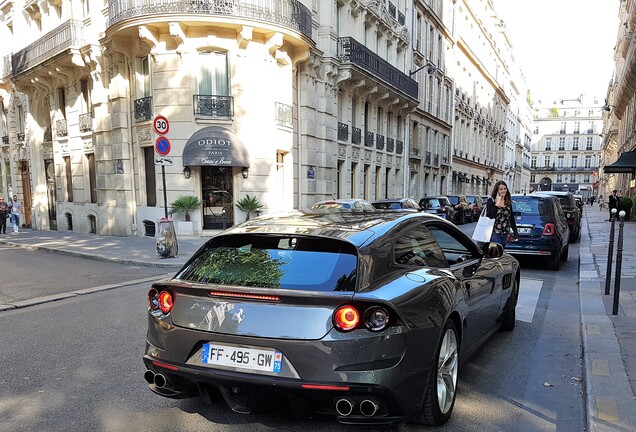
609,342
127,250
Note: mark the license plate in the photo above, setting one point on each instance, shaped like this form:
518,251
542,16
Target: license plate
251,358
524,230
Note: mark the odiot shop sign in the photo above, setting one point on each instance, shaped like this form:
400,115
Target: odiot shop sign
218,151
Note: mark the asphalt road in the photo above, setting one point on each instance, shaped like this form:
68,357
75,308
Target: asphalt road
75,364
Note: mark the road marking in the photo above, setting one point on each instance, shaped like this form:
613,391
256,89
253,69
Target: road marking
529,291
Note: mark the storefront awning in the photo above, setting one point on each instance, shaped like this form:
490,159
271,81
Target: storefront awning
626,163
215,146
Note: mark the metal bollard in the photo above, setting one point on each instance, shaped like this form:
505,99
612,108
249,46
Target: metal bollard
610,251
619,263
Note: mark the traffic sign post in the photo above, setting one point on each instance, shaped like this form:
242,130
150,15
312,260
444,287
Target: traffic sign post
161,125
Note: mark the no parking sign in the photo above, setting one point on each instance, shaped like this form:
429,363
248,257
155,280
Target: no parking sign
162,146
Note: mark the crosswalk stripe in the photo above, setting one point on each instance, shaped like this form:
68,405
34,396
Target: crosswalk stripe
529,291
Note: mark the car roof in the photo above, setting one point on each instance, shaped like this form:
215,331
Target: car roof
355,227
391,200
556,193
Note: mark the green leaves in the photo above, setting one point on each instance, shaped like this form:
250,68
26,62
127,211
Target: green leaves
249,205
185,204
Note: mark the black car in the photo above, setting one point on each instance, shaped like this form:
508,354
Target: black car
477,206
463,209
396,204
572,212
542,227
365,316
438,205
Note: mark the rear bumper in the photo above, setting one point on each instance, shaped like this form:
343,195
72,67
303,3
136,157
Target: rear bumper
535,247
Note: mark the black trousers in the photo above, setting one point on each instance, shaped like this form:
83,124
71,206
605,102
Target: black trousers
3,224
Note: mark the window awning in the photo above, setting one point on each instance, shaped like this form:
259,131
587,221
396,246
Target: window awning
215,146
626,163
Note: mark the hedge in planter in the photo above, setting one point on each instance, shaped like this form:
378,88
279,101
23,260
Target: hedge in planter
626,204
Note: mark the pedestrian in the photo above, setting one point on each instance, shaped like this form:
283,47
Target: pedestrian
4,214
613,202
15,214
592,199
600,202
499,208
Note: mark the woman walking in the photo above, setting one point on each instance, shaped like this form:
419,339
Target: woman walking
499,208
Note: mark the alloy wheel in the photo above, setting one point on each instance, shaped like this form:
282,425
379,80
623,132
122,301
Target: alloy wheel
447,364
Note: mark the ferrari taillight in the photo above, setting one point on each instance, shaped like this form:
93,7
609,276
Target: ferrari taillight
165,302
548,229
373,318
346,318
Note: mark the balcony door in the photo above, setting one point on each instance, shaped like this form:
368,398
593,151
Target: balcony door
49,168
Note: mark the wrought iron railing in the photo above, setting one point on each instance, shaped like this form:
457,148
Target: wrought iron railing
379,142
445,160
399,147
390,145
283,114
343,132
68,35
21,136
350,50
288,13
436,160
143,108
427,158
213,106
356,135
401,18
5,66
86,122
392,10
61,128
368,139
5,139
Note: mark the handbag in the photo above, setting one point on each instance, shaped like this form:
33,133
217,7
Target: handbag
484,228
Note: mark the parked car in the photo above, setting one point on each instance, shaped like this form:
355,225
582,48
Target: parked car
354,204
477,204
579,201
463,209
572,212
543,228
438,205
382,327
396,204
484,199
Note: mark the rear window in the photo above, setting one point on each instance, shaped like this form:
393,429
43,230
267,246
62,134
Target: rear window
529,205
565,201
387,205
471,199
432,203
286,262
453,199
331,205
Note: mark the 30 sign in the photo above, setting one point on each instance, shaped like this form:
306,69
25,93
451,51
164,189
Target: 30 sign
161,125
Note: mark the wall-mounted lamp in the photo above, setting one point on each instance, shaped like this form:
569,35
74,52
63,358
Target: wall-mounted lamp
187,172
431,68
245,172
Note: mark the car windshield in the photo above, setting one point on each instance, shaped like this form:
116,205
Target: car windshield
275,262
471,199
528,205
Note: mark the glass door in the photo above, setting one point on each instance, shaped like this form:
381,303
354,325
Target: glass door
216,187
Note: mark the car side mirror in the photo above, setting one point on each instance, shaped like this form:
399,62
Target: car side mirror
493,250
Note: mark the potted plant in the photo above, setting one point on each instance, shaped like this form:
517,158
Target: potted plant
249,205
185,204
625,203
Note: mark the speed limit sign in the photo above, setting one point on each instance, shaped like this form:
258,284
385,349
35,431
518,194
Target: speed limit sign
161,125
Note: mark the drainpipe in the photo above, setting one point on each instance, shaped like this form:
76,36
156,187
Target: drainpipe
131,114
298,140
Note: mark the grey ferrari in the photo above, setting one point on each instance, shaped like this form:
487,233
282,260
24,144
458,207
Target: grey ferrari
363,315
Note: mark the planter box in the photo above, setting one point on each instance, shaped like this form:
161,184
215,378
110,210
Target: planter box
187,228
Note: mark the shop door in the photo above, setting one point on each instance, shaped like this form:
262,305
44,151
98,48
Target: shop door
218,209
49,169
26,193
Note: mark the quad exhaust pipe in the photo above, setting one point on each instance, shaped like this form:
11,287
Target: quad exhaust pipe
157,379
368,407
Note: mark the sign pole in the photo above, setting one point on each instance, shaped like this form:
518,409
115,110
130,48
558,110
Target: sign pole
165,195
